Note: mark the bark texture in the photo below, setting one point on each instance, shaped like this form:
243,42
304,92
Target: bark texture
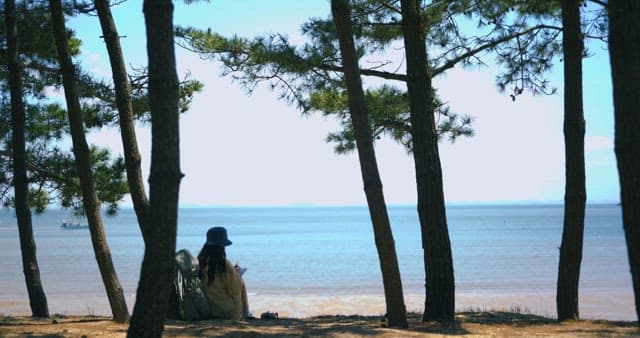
396,311
158,265
90,200
132,156
37,297
440,288
575,191
624,51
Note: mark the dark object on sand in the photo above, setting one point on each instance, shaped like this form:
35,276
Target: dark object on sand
269,315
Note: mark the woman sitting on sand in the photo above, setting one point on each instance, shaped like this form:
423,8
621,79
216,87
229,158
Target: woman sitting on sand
221,281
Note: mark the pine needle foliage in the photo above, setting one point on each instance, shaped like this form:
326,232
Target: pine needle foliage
51,169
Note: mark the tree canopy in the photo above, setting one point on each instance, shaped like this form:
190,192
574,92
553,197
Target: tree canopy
51,173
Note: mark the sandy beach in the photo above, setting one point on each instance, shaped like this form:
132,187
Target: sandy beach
468,324
505,274
614,306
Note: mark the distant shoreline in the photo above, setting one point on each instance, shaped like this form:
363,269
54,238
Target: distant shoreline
323,206
390,205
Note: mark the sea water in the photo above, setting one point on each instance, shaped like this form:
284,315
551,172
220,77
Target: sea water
312,260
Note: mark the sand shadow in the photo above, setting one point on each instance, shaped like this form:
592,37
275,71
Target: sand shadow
361,326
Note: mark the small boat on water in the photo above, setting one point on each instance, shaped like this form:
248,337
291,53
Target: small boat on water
69,225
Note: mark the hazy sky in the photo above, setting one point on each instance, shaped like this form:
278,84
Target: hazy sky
257,150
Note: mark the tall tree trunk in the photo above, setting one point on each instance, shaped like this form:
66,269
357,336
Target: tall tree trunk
37,297
575,191
440,287
83,162
164,181
396,311
124,103
624,51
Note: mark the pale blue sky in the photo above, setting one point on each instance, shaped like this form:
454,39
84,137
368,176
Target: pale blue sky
240,150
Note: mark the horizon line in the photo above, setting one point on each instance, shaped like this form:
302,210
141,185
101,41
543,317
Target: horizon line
447,204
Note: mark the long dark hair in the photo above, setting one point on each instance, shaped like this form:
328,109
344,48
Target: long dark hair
214,258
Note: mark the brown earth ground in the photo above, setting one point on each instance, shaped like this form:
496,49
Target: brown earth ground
469,324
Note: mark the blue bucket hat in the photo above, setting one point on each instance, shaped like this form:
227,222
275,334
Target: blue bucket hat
217,236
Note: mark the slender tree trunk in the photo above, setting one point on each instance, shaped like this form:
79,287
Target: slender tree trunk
127,127
396,312
83,162
440,287
575,191
37,297
158,265
624,51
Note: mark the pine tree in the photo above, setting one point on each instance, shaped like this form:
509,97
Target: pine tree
37,297
396,311
164,180
81,151
624,51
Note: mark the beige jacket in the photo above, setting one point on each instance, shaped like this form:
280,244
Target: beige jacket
224,293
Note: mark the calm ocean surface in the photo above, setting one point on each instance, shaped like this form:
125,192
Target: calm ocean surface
306,261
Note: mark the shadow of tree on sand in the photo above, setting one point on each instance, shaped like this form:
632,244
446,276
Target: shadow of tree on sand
356,326
486,323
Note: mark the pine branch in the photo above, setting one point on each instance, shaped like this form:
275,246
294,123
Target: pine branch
390,7
367,72
42,172
453,62
601,3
